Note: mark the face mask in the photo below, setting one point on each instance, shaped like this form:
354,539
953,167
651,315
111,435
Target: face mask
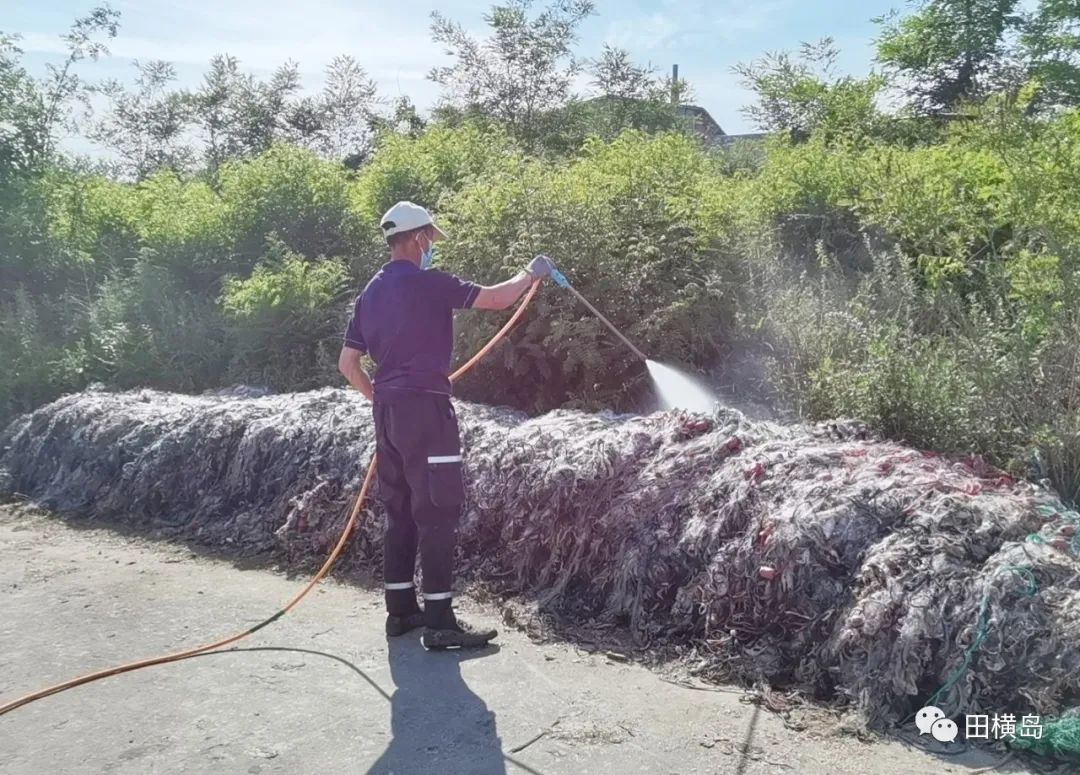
427,256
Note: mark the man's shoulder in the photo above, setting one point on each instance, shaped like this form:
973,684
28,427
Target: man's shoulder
436,276
442,279
427,281
433,281
375,280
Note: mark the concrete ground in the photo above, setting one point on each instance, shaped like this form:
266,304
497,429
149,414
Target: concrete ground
323,691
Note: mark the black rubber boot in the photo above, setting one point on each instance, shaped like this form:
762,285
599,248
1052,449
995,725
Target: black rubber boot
458,636
399,625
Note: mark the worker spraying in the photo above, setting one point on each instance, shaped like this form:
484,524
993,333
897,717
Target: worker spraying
404,320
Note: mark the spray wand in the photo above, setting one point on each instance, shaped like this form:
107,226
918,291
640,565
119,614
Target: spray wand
560,279
675,389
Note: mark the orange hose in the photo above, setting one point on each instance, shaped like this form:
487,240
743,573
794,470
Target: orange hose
323,571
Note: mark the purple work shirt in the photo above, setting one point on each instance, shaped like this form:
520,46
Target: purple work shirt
405,319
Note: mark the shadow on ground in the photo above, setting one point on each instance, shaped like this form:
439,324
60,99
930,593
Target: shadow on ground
438,724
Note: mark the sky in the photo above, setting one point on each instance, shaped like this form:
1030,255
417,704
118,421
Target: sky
391,39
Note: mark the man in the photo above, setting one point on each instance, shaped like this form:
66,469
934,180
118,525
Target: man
404,319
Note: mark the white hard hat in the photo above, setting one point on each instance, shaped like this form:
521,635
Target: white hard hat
406,216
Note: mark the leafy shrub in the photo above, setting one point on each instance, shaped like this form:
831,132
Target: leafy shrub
423,169
287,318
932,368
144,328
36,368
290,193
929,286
623,221
183,224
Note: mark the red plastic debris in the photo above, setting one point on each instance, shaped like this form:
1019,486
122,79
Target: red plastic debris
766,572
690,427
734,444
764,533
755,473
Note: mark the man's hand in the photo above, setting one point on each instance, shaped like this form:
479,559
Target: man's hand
349,364
504,295
540,267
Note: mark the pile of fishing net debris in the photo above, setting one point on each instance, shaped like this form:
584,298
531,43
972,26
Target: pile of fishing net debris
853,570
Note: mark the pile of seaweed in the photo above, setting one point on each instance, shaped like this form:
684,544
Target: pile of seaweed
816,559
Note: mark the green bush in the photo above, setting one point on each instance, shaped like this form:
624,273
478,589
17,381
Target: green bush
287,319
291,193
934,369
623,223
37,368
425,168
929,285
63,229
184,225
144,328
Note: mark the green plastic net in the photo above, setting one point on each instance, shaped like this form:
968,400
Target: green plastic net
1060,738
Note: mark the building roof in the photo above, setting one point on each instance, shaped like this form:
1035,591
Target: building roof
701,122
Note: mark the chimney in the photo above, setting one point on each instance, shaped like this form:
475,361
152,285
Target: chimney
675,85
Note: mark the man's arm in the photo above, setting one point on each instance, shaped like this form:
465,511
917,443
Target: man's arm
505,294
349,365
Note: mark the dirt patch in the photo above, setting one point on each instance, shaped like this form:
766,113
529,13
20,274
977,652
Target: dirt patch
322,690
